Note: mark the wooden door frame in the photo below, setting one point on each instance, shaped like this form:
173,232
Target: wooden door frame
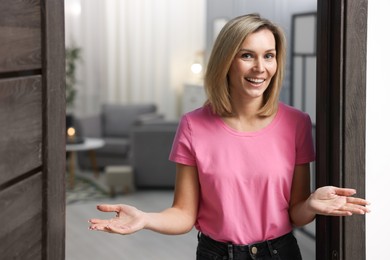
53,150
341,117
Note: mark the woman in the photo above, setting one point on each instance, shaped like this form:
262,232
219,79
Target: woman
243,174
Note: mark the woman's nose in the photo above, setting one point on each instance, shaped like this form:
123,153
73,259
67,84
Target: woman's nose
258,65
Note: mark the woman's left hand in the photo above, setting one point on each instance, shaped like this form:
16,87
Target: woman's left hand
335,201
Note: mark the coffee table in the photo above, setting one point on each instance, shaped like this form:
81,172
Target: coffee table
90,145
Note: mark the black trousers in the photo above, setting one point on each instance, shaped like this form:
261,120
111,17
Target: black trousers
282,248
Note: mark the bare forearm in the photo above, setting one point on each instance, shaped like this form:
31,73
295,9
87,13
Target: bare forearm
301,213
172,221
178,219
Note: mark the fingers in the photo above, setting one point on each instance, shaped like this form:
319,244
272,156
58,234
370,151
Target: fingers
344,191
341,213
358,205
119,229
347,211
109,208
111,226
358,201
355,209
100,221
353,206
102,224
99,227
105,208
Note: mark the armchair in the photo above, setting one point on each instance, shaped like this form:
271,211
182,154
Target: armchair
114,124
151,146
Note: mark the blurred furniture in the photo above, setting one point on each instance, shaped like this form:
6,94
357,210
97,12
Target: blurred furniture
114,125
151,145
194,97
89,145
120,177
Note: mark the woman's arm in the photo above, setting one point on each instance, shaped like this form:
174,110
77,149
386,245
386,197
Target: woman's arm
328,200
178,219
300,212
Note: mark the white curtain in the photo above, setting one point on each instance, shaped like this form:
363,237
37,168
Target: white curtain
134,51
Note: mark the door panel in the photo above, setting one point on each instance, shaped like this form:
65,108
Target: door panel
32,129
21,215
21,126
20,38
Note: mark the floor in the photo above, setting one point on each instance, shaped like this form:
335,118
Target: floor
83,244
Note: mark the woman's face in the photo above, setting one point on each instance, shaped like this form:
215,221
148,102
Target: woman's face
253,66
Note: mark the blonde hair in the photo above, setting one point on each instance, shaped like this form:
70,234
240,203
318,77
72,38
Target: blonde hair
225,49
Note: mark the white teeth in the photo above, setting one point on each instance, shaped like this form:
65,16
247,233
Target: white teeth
255,80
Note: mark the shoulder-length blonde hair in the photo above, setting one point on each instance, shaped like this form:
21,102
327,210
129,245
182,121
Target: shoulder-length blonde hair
225,49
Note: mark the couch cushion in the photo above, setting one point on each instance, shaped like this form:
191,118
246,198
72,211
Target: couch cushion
114,147
118,119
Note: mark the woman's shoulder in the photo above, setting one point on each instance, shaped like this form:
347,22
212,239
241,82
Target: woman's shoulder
202,113
291,111
200,118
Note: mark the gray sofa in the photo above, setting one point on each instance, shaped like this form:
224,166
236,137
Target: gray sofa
134,135
151,145
114,125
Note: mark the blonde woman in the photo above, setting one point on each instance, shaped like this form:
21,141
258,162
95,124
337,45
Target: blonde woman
243,174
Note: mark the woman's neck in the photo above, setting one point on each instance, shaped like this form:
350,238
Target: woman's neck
246,119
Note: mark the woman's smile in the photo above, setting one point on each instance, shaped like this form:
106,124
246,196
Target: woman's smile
255,80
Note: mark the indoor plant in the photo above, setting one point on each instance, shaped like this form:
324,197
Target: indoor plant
72,57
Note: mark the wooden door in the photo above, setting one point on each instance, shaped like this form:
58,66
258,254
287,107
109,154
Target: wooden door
32,130
341,106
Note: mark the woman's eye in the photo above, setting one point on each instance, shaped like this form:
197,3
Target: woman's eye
246,55
269,56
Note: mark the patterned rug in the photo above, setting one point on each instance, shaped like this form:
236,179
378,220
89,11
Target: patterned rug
84,190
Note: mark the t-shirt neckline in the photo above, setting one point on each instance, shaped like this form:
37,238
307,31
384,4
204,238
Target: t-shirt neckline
253,133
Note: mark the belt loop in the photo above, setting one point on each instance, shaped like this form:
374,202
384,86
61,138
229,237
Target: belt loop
199,234
230,251
273,252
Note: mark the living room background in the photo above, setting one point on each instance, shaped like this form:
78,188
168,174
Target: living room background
141,51
133,51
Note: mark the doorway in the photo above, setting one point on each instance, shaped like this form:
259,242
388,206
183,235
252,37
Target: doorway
341,117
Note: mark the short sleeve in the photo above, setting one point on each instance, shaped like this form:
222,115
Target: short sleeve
182,151
304,141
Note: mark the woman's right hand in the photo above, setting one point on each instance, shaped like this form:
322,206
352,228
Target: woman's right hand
177,219
128,220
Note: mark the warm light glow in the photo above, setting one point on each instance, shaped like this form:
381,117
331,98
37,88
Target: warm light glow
73,7
71,131
196,68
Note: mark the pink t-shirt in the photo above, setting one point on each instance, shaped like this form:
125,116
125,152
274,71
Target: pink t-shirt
245,177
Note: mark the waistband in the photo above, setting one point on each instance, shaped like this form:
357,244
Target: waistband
252,248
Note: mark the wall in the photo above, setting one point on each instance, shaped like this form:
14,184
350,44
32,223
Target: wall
378,130
134,50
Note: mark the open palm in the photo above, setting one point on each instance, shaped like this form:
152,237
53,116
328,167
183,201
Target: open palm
128,220
334,201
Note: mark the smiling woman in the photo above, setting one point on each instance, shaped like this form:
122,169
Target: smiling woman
132,51
244,189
